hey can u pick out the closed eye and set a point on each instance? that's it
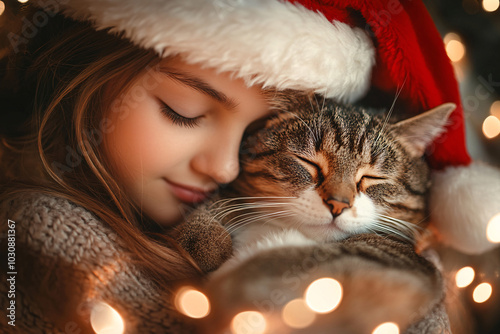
(314, 169)
(368, 180)
(177, 118)
(374, 177)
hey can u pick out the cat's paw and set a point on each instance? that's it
(206, 241)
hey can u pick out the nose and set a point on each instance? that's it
(337, 205)
(220, 160)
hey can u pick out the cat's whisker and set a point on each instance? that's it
(316, 136)
(389, 113)
(403, 223)
(245, 206)
(401, 228)
(249, 215)
(231, 228)
(389, 229)
(233, 199)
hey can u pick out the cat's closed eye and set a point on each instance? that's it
(368, 180)
(313, 168)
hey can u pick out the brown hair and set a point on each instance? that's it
(56, 85)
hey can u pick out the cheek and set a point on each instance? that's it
(142, 142)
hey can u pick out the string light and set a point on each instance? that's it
(106, 320)
(495, 109)
(297, 314)
(455, 49)
(248, 322)
(491, 5)
(2, 7)
(192, 303)
(493, 229)
(482, 292)
(323, 295)
(491, 127)
(464, 277)
(386, 328)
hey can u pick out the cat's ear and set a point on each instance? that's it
(418, 132)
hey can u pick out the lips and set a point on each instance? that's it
(188, 194)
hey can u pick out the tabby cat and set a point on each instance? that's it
(325, 178)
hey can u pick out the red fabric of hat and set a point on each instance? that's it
(409, 55)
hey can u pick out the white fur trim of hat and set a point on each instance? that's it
(269, 42)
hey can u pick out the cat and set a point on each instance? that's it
(330, 171)
(322, 176)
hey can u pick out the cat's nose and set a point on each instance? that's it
(337, 205)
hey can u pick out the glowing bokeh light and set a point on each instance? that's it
(248, 322)
(386, 328)
(495, 109)
(106, 320)
(323, 295)
(297, 314)
(493, 229)
(491, 127)
(464, 277)
(22, 1)
(491, 5)
(2, 7)
(482, 292)
(455, 50)
(192, 303)
(451, 36)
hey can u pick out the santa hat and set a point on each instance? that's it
(338, 48)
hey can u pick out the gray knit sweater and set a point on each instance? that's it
(65, 261)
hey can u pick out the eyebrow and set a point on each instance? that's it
(199, 85)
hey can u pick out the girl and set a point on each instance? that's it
(118, 116)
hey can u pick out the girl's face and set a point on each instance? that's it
(175, 135)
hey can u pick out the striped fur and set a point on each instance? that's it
(316, 155)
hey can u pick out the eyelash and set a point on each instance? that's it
(176, 118)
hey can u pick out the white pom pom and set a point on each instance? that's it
(463, 201)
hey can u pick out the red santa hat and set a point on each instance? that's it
(338, 48)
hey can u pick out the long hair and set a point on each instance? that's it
(54, 106)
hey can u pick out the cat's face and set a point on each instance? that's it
(339, 171)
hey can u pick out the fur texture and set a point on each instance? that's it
(463, 200)
(269, 42)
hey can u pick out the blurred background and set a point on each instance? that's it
(471, 35)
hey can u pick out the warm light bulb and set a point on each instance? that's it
(106, 320)
(22, 1)
(451, 36)
(248, 322)
(297, 314)
(323, 295)
(493, 229)
(491, 5)
(2, 7)
(464, 277)
(192, 303)
(455, 50)
(491, 127)
(386, 328)
(482, 292)
(495, 109)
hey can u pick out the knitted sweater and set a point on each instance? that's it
(66, 260)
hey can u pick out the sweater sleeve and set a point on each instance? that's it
(67, 261)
